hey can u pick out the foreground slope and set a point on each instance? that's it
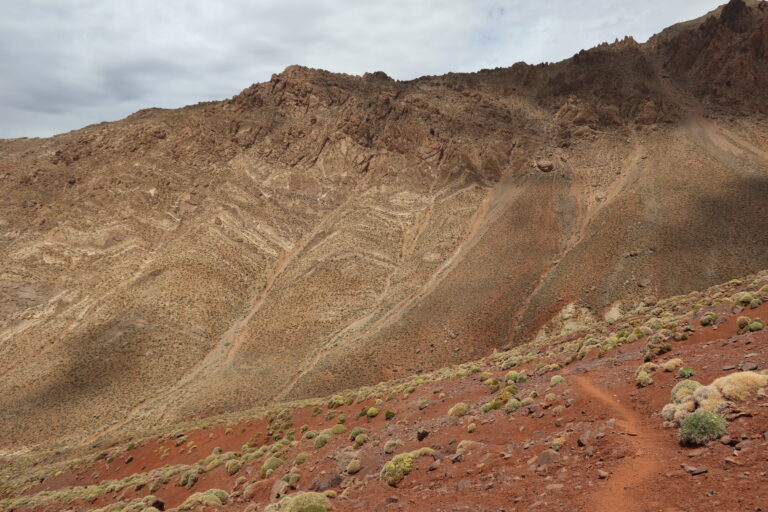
(571, 424)
(323, 231)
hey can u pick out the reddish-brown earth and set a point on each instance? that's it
(322, 232)
(616, 453)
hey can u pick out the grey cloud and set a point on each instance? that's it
(67, 63)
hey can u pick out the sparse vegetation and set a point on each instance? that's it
(739, 386)
(458, 410)
(683, 390)
(643, 379)
(401, 465)
(302, 502)
(708, 319)
(702, 426)
(270, 465)
(555, 380)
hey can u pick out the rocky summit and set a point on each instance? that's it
(525, 284)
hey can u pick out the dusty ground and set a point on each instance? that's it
(614, 451)
(320, 232)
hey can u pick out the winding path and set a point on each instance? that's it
(630, 485)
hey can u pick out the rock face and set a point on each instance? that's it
(321, 231)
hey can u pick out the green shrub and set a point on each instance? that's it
(512, 405)
(356, 432)
(686, 372)
(708, 319)
(683, 390)
(270, 465)
(643, 379)
(491, 406)
(557, 379)
(353, 467)
(392, 445)
(458, 410)
(388, 415)
(372, 412)
(702, 426)
(756, 325)
(401, 465)
(360, 440)
(233, 466)
(321, 440)
(338, 429)
(301, 502)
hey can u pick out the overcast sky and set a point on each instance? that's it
(68, 63)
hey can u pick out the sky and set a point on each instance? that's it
(65, 64)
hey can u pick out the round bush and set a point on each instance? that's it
(701, 427)
(683, 390)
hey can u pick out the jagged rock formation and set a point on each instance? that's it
(320, 231)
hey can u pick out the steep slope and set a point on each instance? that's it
(569, 424)
(323, 231)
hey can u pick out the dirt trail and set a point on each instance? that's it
(627, 488)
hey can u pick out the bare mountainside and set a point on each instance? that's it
(323, 231)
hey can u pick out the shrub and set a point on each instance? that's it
(356, 432)
(701, 427)
(301, 502)
(388, 415)
(458, 410)
(738, 386)
(372, 412)
(491, 406)
(353, 467)
(708, 319)
(338, 429)
(683, 390)
(742, 322)
(360, 440)
(707, 397)
(756, 325)
(557, 379)
(211, 497)
(336, 401)
(301, 458)
(322, 439)
(672, 364)
(233, 466)
(512, 405)
(270, 465)
(743, 298)
(686, 372)
(643, 379)
(392, 445)
(401, 465)
(292, 479)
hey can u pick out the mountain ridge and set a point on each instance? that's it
(322, 231)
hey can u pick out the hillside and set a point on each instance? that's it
(321, 232)
(590, 422)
